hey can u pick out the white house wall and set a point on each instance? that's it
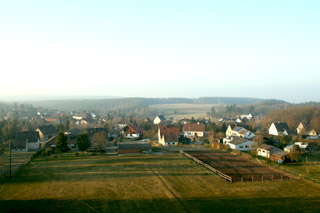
(273, 130)
(263, 153)
(192, 134)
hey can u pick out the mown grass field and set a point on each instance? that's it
(309, 167)
(17, 160)
(179, 111)
(145, 183)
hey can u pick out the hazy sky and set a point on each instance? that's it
(265, 49)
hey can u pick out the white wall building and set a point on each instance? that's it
(241, 144)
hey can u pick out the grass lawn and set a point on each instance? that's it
(145, 183)
(308, 167)
(17, 160)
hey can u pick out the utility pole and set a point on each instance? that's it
(9, 150)
(9, 158)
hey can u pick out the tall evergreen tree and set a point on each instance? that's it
(83, 142)
(62, 143)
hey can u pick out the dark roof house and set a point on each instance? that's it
(48, 130)
(25, 141)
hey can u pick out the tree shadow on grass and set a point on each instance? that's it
(210, 204)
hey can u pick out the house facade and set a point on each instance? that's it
(168, 135)
(26, 141)
(241, 144)
(305, 129)
(279, 128)
(271, 153)
(46, 132)
(239, 132)
(194, 130)
(131, 131)
(157, 120)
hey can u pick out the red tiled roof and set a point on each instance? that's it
(194, 127)
(169, 129)
(171, 137)
(134, 128)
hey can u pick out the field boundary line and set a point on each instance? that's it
(221, 174)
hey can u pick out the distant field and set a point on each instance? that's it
(179, 111)
(145, 183)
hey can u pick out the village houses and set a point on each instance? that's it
(305, 129)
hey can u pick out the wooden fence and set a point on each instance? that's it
(224, 176)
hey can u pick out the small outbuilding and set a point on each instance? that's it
(133, 147)
(272, 153)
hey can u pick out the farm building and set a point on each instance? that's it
(133, 147)
(194, 130)
(46, 132)
(271, 152)
(26, 141)
(168, 135)
(279, 128)
(241, 144)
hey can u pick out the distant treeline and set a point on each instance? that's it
(109, 104)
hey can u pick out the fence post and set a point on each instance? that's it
(241, 179)
(271, 177)
(252, 178)
(281, 177)
(262, 177)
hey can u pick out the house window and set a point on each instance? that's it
(241, 147)
(246, 146)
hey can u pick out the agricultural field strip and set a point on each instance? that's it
(221, 174)
(229, 165)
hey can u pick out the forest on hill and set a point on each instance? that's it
(294, 115)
